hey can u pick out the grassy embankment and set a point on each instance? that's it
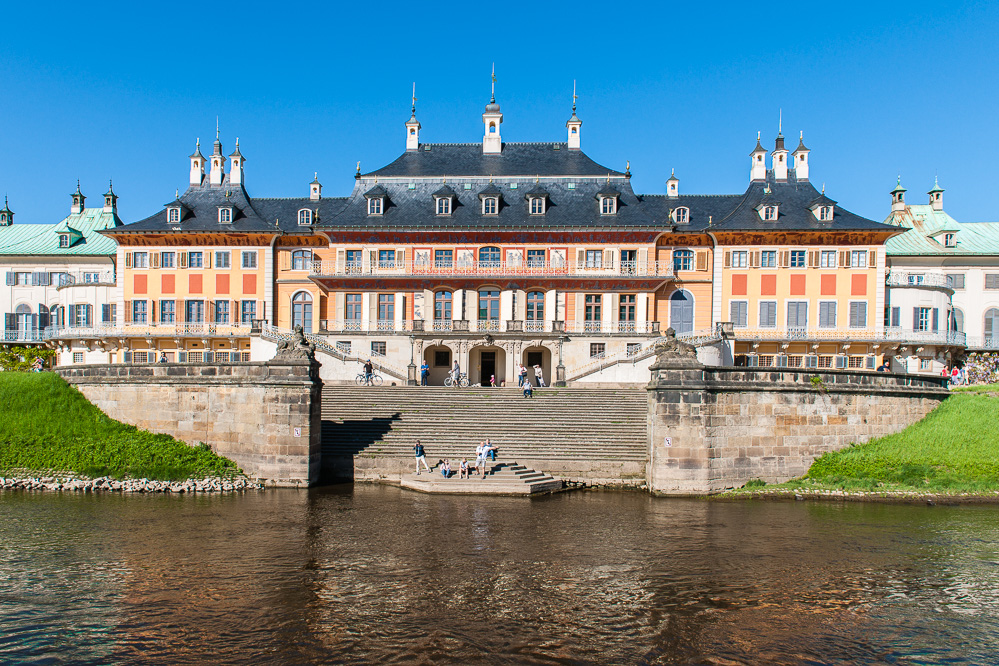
(955, 449)
(47, 425)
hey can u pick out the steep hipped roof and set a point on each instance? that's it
(43, 239)
(924, 234)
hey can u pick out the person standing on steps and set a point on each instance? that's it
(455, 374)
(522, 375)
(540, 375)
(480, 459)
(424, 374)
(369, 370)
(421, 457)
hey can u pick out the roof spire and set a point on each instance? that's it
(574, 97)
(414, 98)
(780, 122)
(493, 98)
(216, 128)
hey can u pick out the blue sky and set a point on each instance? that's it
(122, 92)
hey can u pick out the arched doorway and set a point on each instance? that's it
(486, 361)
(440, 358)
(681, 311)
(301, 311)
(23, 321)
(991, 326)
(542, 356)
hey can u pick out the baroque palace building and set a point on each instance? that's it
(498, 253)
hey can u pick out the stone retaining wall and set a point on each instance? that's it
(265, 416)
(714, 428)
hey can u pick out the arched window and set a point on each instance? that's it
(375, 206)
(681, 215)
(23, 319)
(535, 316)
(608, 205)
(683, 260)
(957, 320)
(442, 306)
(490, 205)
(681, 311)
(305, 217)
(489, 302)
(43, 317)
(537, 205)
(301, 311)
(225, 215)
(301, 260)
(489, 257)
(991, 326)
(443, 205)
(492, 128)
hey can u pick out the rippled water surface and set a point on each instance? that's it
(378, 575)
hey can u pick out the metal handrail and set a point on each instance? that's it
(917, 279)
(336, 268)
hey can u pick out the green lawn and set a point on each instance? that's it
(978, 388)
(45, 424)
(954, 449)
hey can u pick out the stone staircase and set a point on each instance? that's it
(580, 434)
(500, 479)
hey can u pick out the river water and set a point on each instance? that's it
(374, 574)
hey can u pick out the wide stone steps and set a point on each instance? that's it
(500, 479)
(582, 424)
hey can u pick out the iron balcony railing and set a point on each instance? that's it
(331, 268)
(983, 342)
(146, 331)
(32, 335)
(84, 278)
(917, 279)
(488, 326)
(888, 334)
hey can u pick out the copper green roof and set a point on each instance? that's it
(43, 239)
(926, 229)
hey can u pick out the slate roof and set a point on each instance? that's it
(516, 159)
(43, 239)
(973, 238)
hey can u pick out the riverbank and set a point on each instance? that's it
(70, 483)
(952, 455)
(49, 428)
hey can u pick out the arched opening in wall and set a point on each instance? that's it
(439, 358)
(485, 362)
(301, 311)
(24, 321)
(956, 320)
(43, 317)
(681, 311)
(991, 327)
(538, 356)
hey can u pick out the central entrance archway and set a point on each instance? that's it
(484, 362)
(541, 356)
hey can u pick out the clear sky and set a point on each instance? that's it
(122, 91)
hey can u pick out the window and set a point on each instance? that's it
(949, 240)
(769, 213)
(537, 205)
(991, 325)
(168, 312)
(301, 260)
(352, 312)
(922, 319)
(91, 278)
(301, 311)
(489, 304)
(442, 358)
(597, 349)
(827, 314)
(893, 316)
(386, 309)
(77, 357)
(768, 314)
(956, 280)
(768, 259)
(378, 348)
(797, 258)
(304, 217)
(592, 312)
(442, 305)
(490, 205)
(489, 257)
(797, 315)
(535, 310)
(222, 260)
(626, 308)
(386, 258)
(683, 260)
(443, 258)
(22, 279)
(195, 259)
(140, 260)
(221, 312)
(168, 259)
(79, 315)
(825, 213)
(681, 215)
(916, 278)
(109, 312)
(739, 313)
(827, 259)
(355, 259)
(858, 259)
(375, 206)
(957, 320)
(225, 215)
(608, 205)
(629, 261)
(991, 280)
(740, 259)
(444, 205)
(594, 258)
(138, 312)
(194, 312)
(173, 215)
(925, 364)
(858, 315)
(249, 259)
(63, 240)
(535, 258)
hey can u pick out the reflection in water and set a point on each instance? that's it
(376, 574)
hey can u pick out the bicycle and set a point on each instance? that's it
(462, 380)
(362, 379)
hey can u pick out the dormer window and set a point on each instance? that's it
(825, 213)
(225, 215)
(608, 205)
(173, 215)
(769, 213)
(681, 215)
(490, 205)
(443, 205)
(63, 240)
(304, 217)
(949, 240)
(537, 205)
(375, 206)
